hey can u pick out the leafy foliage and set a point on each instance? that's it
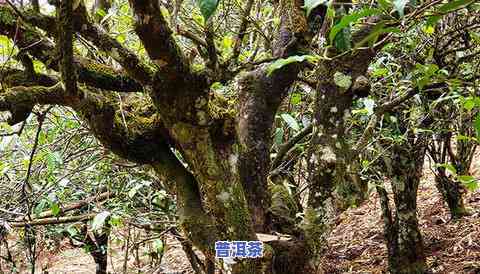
(207, 7)
(282, 62)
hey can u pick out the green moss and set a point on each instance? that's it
(238, 215)
(315, 228)
(106, 77)
(180, 132)
(6, 15)
(220, 107)
(199, 231)
(99, 68)
(283, 204)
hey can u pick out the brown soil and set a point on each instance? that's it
(355, 246)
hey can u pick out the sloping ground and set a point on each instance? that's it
(76, 261)
(357, 246)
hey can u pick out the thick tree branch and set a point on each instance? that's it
(65, 45)
(260, 96)
(29, 96)
(43, 49)
(140, 137)
(133, 138)
(194, 221)
(212, 62)
(83, 24)
(153, 30)
(125, 57)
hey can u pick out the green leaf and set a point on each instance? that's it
(53, 160)
(469, 103)
(41, 206)
(349, 19)
(291, 122)
(3, 169)
(448, 167)
(158, 246)
(55, 208)
(384, 4)
(216, 86)
(469, 181)
(312, 4)
(424, 74)
(207, 7)
(115, 220)
(72, 230)
(476, 125)
(279, 136)
(465, 138)
(378, 30)
(433, 20)
(343, 40)
(99, 220)
(454, 5)
(296, 99)
(400, 6)
(342, 80)
(380, 72)
(365, 164)
(227, 42)
(280, 63)
(475, 37)
(101, 12)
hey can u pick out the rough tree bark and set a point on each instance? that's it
(452, 192)
(442, 153)
(223, 194)
(404, 240)
(333, 162)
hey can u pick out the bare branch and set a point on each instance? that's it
(284, 148)
(242, 29)
(73, 206)
(54, 220)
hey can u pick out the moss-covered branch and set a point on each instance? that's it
(125, 57)
(65, 45)
(194, 221)
(43, 49)
(34, 95)
(54, 220)
(134, 131)
(157, 38)
(85, 26)
(131, 128)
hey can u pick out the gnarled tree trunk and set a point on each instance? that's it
(402, 234)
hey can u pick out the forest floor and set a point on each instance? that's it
(452, 247)
(355, 246)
